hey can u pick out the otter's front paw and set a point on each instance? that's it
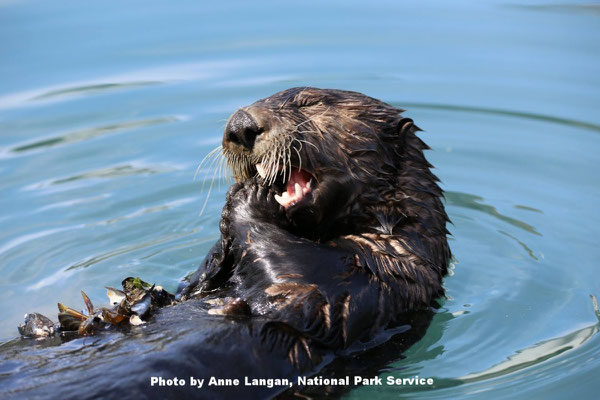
(256, 203)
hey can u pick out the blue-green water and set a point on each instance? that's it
(107, 108)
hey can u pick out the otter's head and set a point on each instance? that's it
(333, 157)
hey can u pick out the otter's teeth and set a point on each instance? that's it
(298, 190)
(261, 170)
(281, 200)
(306, 189)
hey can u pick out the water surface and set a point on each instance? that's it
(106, 110)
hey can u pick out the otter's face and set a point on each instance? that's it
(313, 147)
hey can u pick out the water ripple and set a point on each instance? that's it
(83, 135)
(523, 245)
(494, 111)
(476, 203)
(88, 262)
(133, 79)
(539, 352)
(125, 249)
(116, 171)
(33, 236)
(90, 89)
(147, 210)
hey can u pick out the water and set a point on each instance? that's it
(106, 110)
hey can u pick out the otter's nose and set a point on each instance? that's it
(242, 129)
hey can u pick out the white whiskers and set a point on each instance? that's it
(213, 162)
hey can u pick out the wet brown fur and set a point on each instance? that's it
(377, 208)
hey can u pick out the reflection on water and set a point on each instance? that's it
(134, 168)
(522, 207)
(592, 8)
(476, 203)
(122, 250)
(93, 89)
(136, 79)
(536, 354)
(527, 249)
(539, 352)
(86, 134)
(510, 113)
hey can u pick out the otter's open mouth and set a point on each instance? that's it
(295, 186)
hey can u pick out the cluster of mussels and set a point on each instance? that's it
(128, 307)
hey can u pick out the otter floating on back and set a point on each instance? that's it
(333, 234)
(334, 227)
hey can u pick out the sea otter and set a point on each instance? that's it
(335, 226)
(333, 239)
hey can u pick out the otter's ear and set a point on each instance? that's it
(406, 125)
(407, 130)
